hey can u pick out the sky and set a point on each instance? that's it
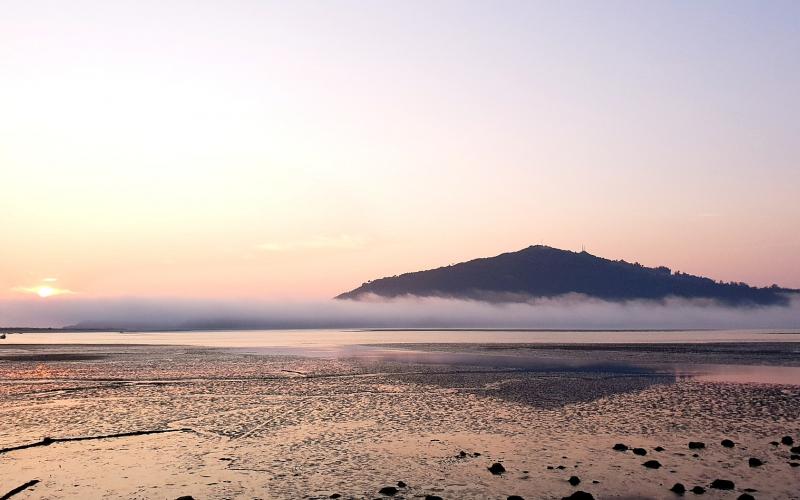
(293, 150)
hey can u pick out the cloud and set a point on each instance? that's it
(564, 313)
(341, 241)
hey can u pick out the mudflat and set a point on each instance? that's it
(401, 421)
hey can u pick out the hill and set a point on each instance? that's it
(542, 271)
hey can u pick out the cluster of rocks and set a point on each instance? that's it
(719, 484)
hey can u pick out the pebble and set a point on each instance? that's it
(722, 484)
(579, 495)
(388, 491)
(698, 490)
(620, 447)
(745, 496)
(696, 445)
(652, 464)
(787, 440)
(755, 462)
(574, 480)
(678, 488)
(727, 443)
(640, 451)
(497, 469)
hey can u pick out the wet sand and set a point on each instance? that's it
(251, 423)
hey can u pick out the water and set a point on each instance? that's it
(332, 338)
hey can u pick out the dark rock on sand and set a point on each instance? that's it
(433, 497)
(652, 464)
(515, 497)
(659, 448)
(722, 484)
(698, 490)
(696, 445)
(401, 484)
(640, 451)
(794, 464)
(560, 467)
(755, 462)
(476, 454)
(794, 457)
(550, 467)
(727, 443)
(678, 489)
(695, 455)
(579, 495)
(462, 453)
(185, 497)
(774, 443)
(795, 449)
(335, 495)
(497, 469)
(745, 496)
(574, 480)
(787, 440)
(620, 447)
(388, 491)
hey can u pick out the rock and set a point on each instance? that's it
(787, 440)
(335, 495)
(388, 491)
(579, 495)
(433, 497)
(401, 484)
(696, 445)
(754, 462)
(497, 469)
(514, 497)
(774, 443)
(560, 467)
(185, 497)
(727, 443)
(462, 453)
(794, 464)
(698, 490)
(549, 467)
(640, 451)
(652, 464)
(659, 448)
(794, 457)
(476, 454)
(574, 480)
(794, 449)
(695, 455)
(678, 489)
(745, 496)
(722, 484)
(620, 447)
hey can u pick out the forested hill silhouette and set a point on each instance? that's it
(542, 271)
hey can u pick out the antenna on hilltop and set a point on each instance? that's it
(583, 248)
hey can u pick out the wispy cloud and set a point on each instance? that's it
(341, 241)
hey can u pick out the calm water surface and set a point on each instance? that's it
(333, 338)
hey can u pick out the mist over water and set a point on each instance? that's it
(569, 312)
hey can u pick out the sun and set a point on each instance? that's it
(45, 291)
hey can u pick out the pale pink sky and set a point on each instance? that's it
(274, 150)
